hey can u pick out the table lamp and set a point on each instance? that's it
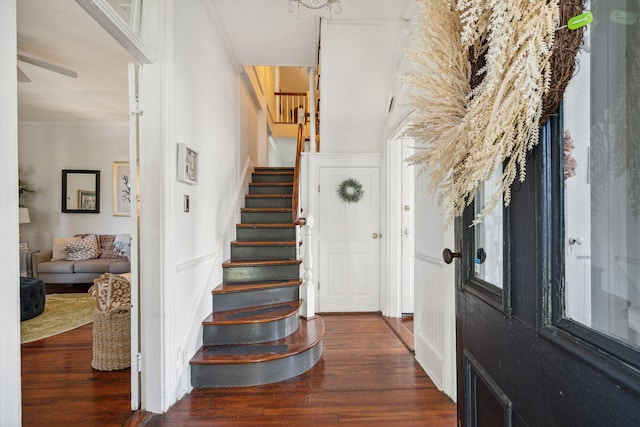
(23, 218)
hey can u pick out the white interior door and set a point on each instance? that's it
(407, 227)
(434, 311)
(349, 243)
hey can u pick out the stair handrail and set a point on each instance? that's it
(295, 202)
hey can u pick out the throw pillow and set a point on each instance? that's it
(85, 248)
(122, 244)
(111, 292)
(59, 244)
(107, 247)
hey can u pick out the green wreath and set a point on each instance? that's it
(350, 191)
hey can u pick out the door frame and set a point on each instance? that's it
(107, 18)
(135, 99)
(11, 402)
(312, 162)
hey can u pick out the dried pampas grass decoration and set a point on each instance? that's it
(441, 80)
(469, 131)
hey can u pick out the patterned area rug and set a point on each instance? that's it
(62, 313)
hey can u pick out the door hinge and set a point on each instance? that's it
(318, 188)
(139, 362)
(135, 106)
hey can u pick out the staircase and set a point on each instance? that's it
(254, 334)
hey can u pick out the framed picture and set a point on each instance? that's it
(86, 200)
(121, 189)
(187, 164)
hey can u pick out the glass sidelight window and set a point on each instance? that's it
(602, 176)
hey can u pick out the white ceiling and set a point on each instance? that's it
(263, 32)
(259, 32)
(60, 32)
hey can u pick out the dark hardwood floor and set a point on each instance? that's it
(366, 377)
(403, 328)
(60, 388)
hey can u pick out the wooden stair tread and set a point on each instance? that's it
(257, 314)
(270, 184)
(264, 243)
(266, 210)
(273, 168)
(307, 336)
(260, 262)
(265, 225)
(268, 196)
(273, 172)
(226, 288)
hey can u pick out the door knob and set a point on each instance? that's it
(481, 255)
(375, 235)
(575, 241)
(448, 256)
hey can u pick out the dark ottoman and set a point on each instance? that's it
(33, 293)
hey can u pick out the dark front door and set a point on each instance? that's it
(548, 289)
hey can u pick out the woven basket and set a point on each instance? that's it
(111, 340)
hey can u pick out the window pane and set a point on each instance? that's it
(602, 170)
(489, 234)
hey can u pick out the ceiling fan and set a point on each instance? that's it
(22, 76)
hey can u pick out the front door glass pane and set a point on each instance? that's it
(489, 235)
(602, 176)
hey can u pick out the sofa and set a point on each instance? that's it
(81, 259)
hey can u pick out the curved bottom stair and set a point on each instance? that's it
(255, 334)
(260, 363)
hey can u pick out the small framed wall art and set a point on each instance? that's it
(187, 164)
(121, 189)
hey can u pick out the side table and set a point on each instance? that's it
(26, 268)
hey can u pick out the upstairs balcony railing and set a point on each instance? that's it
(289, 105)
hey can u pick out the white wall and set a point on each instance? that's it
(284, 153)
(193, 94)
(294, 79)
(252, 128)
(355, 85)
(10, 402)
(45, 149)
